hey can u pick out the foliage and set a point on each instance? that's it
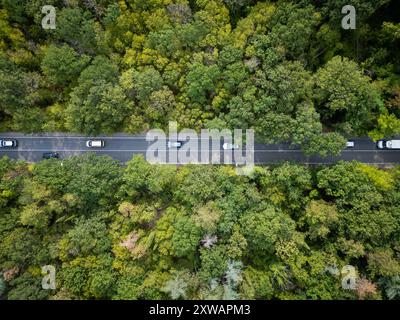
(392, 287)
(388, 127)
(156, 232)
(128, 67)
(62, 64)
(330, 144)
(283, 68)
(2, 286)
(345, 94)
(100, 110)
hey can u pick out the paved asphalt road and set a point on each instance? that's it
(122, 147)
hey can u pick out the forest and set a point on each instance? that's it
(286, 69)
(198, 232)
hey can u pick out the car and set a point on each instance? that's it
(350, 144)
(51, 155)
(230, 146)
(95, 143)
(175, 144)
(388, 144)
(8, 143)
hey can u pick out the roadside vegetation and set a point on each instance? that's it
(285, 68)
(198, 232)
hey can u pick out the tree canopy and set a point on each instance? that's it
(284, 68)
(160, 232)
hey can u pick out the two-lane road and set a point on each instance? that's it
(123, 147)
(31, 147)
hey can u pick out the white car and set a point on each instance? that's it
(8, 143)
(230, 146)
(388, 144)
(350, 144)
(95, 143)
(175, 144)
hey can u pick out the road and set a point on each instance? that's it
(122, 147)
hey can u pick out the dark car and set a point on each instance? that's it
(51, 155)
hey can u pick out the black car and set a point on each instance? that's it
(51, 155)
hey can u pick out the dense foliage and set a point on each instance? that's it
(285, 68)
(197, 232)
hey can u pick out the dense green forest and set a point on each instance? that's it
(285, 68)
(197, 232)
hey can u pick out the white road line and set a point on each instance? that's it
(92, 138)
(76, 137)
(134, 150)
(64, 150)
(166, 150)
(326, 163)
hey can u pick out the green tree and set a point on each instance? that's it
(62, 65)
(18, 248)
(320, 218)
(264, 228)
(2, 286)
(392, 287)
(101, 110)
(186, 237)
(213, 263)
(200, 82)
(101, 68)
(12, 87)
(288, 186)
(142, 178)
(381, 262)
(161, 104)
(388, 127)
(256, 285)
(345, 96)
(87, 237)
(76, 27)
(287, 23)
(27, 287)
(330, 144)
(141, 84)
(94, 180)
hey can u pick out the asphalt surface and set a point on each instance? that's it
(123, 147)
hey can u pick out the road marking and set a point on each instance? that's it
(166, 150)
(95, 138)
(76, 137)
